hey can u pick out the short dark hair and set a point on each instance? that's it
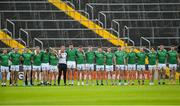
(70, 43)
(47, 49)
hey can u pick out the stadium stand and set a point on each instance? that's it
(155, 20)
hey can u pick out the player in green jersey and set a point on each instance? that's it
(81, 66)
(53, 62)
(36, 58)
(173, 61)
(109, 60)
(90, 56)
(26, 58)
(131, 58)
(4, 60)
(71, 63)
(121, 67)
(152, 56)
(100, 59)
(162, 58)
(15, 59)
(45, 67)
(141, 58)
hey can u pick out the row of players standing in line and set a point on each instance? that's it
(125, 63)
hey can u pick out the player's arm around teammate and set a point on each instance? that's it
(71, 63)
(36, 60)
(90, 56)
(80, 60)
(109, 60)
(141, 58)
(26, 58)
(131, 66)
(53, 62)
(45, 66)
(152, 64)
(100, 59)
(4, 60)
(15, 59)
(173, 61)
(162, 58)
(120, 67)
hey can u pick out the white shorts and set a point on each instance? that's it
(53, 68)
(81, 67)
(4, 69)
(99, 67)
(26, 67)
(90, 67)
(71, 64)
(160, 66)
(173, 66)
(140, 67)
(14, 68)
(109, 68)
(45, 66)
(131, 66)
(36, 68)
(152, 67)
(121, 67)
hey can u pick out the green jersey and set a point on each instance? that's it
(120, 57)
(99, 58)
(4, 58)
(80, 57)
(90, 56)
(45, 57)
(15, 58)
(141, 57)
(53, 59)
(109, 58)
(26, 58)
(71, 54)
(131, 58)
(172, 57)
(37, 59)
(152, 58)
(162, 54)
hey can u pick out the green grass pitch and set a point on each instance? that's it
(91, 95)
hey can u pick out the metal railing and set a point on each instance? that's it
(145, 39)
(92, 10)
(105, 19)
(153, 30)
(70, 4)
(109, 4)
(27, 35)
(90, 5)
(162, 38)
(13, 25)
(8, 32)
(39, 41)
(147, 19)
(103, 13)
(116, 12)
(112, 25)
